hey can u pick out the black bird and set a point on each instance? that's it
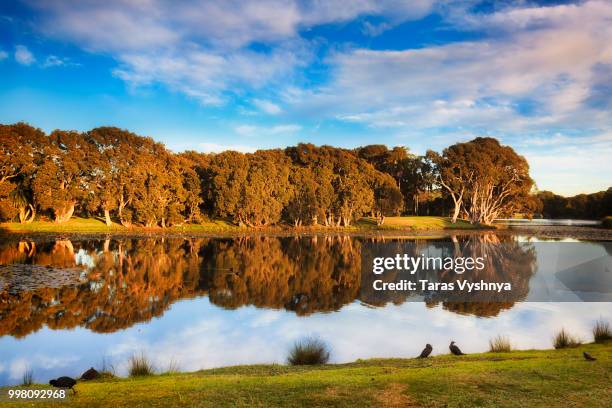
(426, 351)
(588, 357)
(455, 350)
(64, 382)
(90, 374)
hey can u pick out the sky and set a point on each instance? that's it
(227, 74)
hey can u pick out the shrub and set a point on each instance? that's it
(500, 344)
(27, 378)
(309, 351)
(140, 366)
(602, 331)
(564, 340)
(607, 222)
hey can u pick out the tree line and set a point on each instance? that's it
(117, 175)
(593, 206)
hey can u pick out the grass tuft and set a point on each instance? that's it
(564, 340)
(602, 331)
(107, 369)
(27, 378)
(139, 365)
(173, 367)
(500, 344)
(309, 351)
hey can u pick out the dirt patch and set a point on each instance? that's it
(393, 396)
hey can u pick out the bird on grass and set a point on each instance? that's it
(455, 350)
(588, 357)
(64, 382)
(90, 374)
(426, 351)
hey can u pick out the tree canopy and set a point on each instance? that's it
(117, 175)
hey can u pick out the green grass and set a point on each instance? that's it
(419, 223)
(96, 225)
(541, 378)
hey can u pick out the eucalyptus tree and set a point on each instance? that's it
(484, 178)
(61, 181)
(21, 152)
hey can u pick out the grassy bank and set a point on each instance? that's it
(547, 378)
(94, 225)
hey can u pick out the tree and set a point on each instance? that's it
(485, 178)
(60, 182)
(21, 151)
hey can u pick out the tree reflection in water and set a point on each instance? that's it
(126, 281)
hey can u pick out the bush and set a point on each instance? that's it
(564, 340)
(27, 378)
(140, 366)
(500, 344)
(602, 331)
(607, 222)
(309, 351)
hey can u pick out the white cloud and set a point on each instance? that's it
(55, 61)
(3, 55)
(251, 130)
(267, 106)
(480, 83)
(218, 148)
(23, 56)
(199, 47)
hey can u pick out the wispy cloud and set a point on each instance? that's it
(3, 55)
(55, 61)
(217, 148)
(23, 55)
(252, 130)
(267, 106)
(201, 47)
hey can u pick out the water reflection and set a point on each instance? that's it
(110, 286)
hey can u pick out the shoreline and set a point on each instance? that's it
(423, 227)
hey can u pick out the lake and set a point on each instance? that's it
(69, 304)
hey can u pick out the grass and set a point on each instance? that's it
(96, 225)
(500, 344)
(418, 223)
(565, 340)
(541, 378)
(27, 379)
(309, 351)
(602, 331)
(140, 365)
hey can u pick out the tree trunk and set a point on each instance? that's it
(64, 214)
(107, 217)
(456, 211)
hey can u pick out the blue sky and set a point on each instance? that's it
(215, 75)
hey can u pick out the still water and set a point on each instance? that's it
(67, 305)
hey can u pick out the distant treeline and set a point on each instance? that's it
(115, 174)
(582, 206)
